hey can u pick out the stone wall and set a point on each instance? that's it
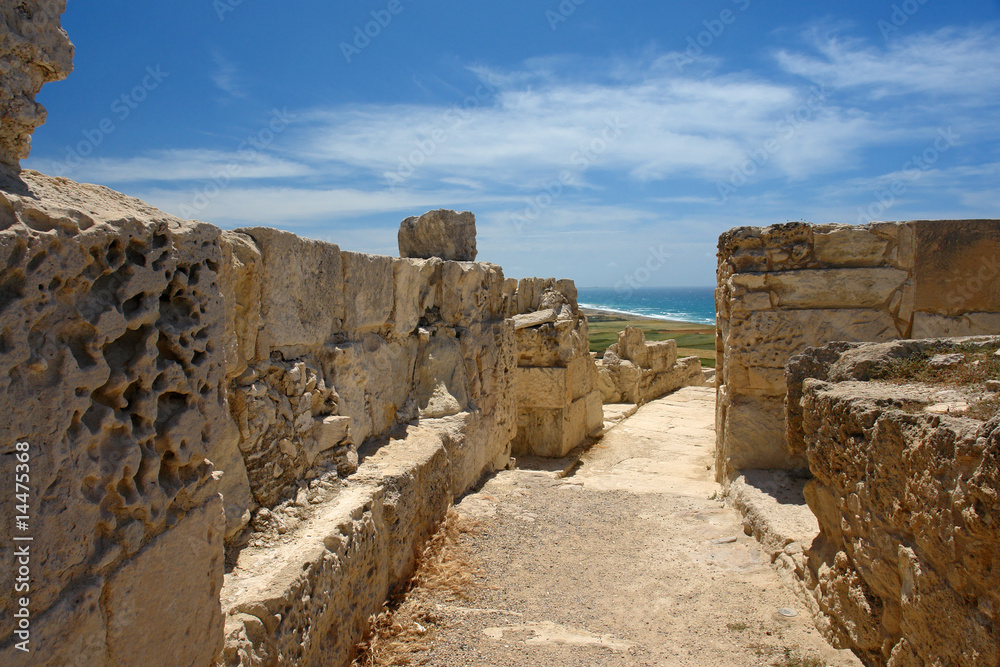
(906, 568)
(787, 287)
(636, 371)
(559, 405)
(183, 390)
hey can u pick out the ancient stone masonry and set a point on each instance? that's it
(906, 568)
(112, 369)
(635, 371)
(559, 404)
(787, 287)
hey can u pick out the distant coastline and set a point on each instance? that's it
(625, 315)
(688, 305)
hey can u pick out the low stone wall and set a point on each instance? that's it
(906, 489)
(559, 405)
(636, 371)
(787, 287)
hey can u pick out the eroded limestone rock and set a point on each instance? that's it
(34, 50)
(445, 234)
(905, 566)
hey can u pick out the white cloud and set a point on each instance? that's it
(165, 166)
(949, 62)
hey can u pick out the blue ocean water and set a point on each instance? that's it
(684, 304)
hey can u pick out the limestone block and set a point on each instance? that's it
(850, 246)
(302, 291)
(755, 435)
(607, 383)
(579, 376)
(768, 339)
(932, 325)
(442, 233)
(111, 367)
(551, 433)
(632, 346)
(957, 266)
(535, 319)
(328, 432)
(744, 303)
(471, 293)
(543, 388)
(417, 290)
(554, 344)
(661, 355)
(368, 291)
(903, 499)
(835, 288)
(541, 293)
(34, 51)
(241, 284)
(165, 601)
(441, 383)
(595, 413)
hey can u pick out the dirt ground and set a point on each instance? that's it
(628, 560)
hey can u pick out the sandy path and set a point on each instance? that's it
(627, 562)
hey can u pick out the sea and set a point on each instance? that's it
(682, 304)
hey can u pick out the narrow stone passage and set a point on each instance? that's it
(630, 561)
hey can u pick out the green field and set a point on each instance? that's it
(692, 339)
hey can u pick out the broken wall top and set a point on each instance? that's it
(34, 50)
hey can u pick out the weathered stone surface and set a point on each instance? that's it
(440, 376)
(302, 291)
(905, 563)
(835, 288)
(112, 368)
(34, 50)
(417, 285)
(846, 246)
(442, 233)
(368, 291)
(534, 319)
(72, 632)
(928, 325)
(958, 266)
(162, 583)
(543, 388)
(787, 287)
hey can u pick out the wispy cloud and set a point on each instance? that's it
(226, 77)
(951, 61)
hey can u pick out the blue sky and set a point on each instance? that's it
(592, 139)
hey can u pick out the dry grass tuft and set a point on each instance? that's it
(444, 571)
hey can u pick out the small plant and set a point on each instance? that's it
(737, 627)
(791, 658)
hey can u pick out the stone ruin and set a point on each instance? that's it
(902, 479)
(906, 486)
(784, 288)
(636, 371)
(239, 439)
